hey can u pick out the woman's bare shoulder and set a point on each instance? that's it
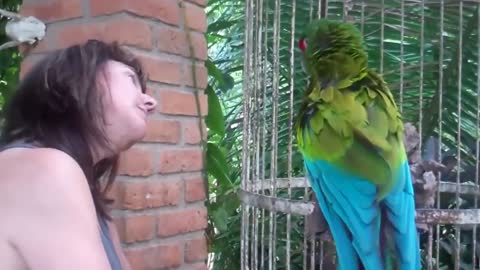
(47, 187)
(41, 170)
(41, 173)
(50, 162)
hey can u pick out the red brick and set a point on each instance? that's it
(164, 10)
(132, 195)
(124, 29)
(136, 228)
(172, 41)
(200, 46)
(135, 162)
(194, 189)
(201, 75)
(162, 70)
(162, 193)
(181, 221)
(52, 10)
(175, 41)
(180, 103)
(180, 160)
(149, 194)
(196, 250)
(196, 17)
(191, 132)
(164, 131)
(156, 257)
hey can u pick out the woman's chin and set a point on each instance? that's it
(135, 136)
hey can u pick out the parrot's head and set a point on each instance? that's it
(328, 46)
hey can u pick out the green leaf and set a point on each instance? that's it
(213, 71)
(215, 119)
(221, 25)
(228, 82)
(217, 164)
(220, 218)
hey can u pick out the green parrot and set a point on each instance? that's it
(350, 134)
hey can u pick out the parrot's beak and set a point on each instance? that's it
(302, 44)
(303, 63)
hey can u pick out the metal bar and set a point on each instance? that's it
(459, 131)
(429, 251)
(248, 129)
(382, 34)
(322, 244)
(256, 142)
(311, 10)
(440, 120)
(422, 48)
(448, 216)
(424, 216)
(464, 188)
(477, 146)
(443, 187)
(275, 204)
(274, 137)
(362, 17)
(264, 135)
(326, 9)
(347, 6)
(313, 247)
(245, 152)
(305, 237)
(319, 13)
(402, 41)
(290, 127)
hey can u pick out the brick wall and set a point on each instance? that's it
(160, 210)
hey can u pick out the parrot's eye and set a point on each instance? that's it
(302, 44)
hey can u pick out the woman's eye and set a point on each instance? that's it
(133, 78)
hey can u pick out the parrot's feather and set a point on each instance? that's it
(355, 138)
(350, 134)
(353, 213)
(364, 162)
(400, 209)
(350, 208)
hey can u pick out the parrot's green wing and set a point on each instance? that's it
(357, 130)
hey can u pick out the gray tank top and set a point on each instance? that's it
(104, 230)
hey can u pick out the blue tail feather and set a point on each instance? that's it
(400, 206)
(354, 225)
(346, 252)
(350, 206)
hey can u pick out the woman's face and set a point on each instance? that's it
(126, 107)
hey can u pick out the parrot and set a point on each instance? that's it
(349, 132)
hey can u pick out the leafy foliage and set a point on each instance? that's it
(224, 141)
(9, 58)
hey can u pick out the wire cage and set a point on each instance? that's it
(428, 51)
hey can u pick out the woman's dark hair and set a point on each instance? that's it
(58, 105)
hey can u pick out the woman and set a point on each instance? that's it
(64, 127)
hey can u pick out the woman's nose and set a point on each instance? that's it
(150, 103)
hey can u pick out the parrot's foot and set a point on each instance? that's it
(315, 223)
(325, 236)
